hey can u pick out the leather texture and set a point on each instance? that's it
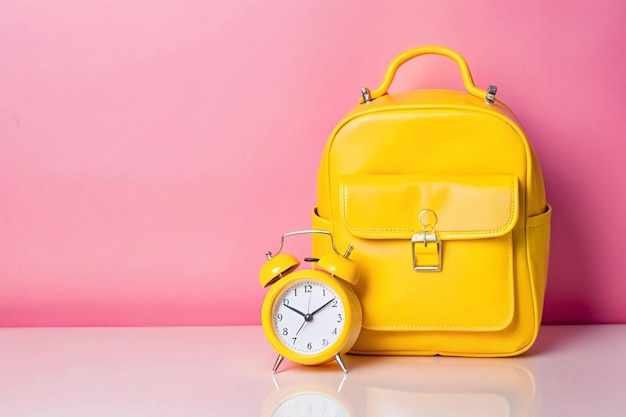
(470, 164)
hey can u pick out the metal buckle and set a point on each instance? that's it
(420, 243)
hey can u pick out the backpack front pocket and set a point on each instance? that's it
(467, 230)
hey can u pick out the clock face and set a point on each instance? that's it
(308, 316)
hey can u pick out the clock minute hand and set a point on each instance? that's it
(330, 301)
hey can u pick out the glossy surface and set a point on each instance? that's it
(226, 371)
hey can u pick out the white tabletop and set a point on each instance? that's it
(226, 371)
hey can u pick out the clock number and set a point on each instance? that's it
(285, 331)
(307, 289)
(335, 331)
(309, 346)
(339, 318)
(285, 302)
(279, 317)
(294, 340)
(335, 303)
(325, 342)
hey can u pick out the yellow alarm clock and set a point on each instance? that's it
(310, 316)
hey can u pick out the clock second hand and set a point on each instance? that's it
(307, 316)
(302, 326)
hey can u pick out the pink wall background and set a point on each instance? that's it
(152, 151)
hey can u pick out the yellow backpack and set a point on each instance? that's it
(442, 197)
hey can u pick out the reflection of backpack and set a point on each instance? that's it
(443, 200)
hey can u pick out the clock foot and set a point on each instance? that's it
(279, 359)
(341, 364)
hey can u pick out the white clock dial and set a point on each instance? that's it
(308, 317)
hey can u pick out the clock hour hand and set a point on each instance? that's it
(295, 310)
(330, 301)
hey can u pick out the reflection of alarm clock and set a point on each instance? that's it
(310, 316)
(307, 399)
(310, 404)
